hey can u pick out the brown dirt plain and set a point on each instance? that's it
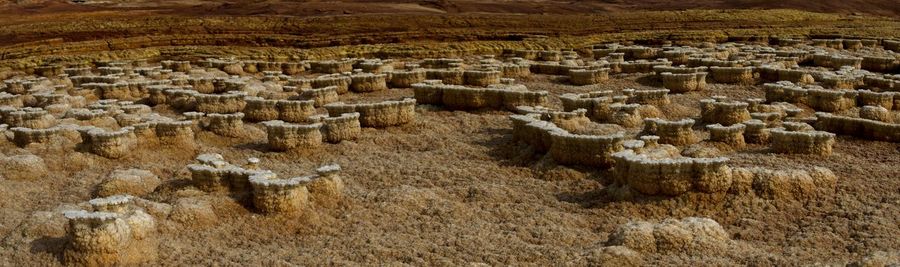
(452, 188)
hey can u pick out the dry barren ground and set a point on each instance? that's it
(452, 188)
(294, 8)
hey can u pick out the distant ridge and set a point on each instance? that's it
(888, 8)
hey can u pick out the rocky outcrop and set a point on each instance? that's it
(587, 150)
(118, 90)
(638, 52)
(555, 68)
(654, 97)
(783, 185)
(836, 61)
(549, 55)
(563, 146)
(755, 132)
(342, 82)
(214, 174)
(858, 127)
(288, 68)
(829, 80)
(378, 115)
(272, 195)
(642, 66)
(732, 135)
(135, 182)
(596, 103)
(774, 74)
(876, 113)
(883, 64)
(723, 112)
(530, 129)
(264, 190)
(785, 92)
(440, 63)
(230, 125)
(690, 236)
(284, 136)
(406, 78)
(368, 82)
(178, 134)
(11, 100)
(678, 69)
(278, 196)
(203, 85)
(482, 78)
(179, 99)
(650, 169)
(881, 99)
(89, 115)
(626, 115)
(602, 106)
(340, 128)
(332, 66)
(294, 111)
(650, 174)
(588, 76)
(678, 133)
(683, 83)
(225, 103)
(375, 65)
(179, 66)
(831, 100)
(231, 67)
(801, 142)
(320, 96)
(516, 70)
(25, 136)
(327, 186)
(34, 118)
(735, 75)
(260, 109)
(446, 76)
(111, 144)
(23, 168)
(882, 83)
(116, 233)
(17, 87)
(466, 98)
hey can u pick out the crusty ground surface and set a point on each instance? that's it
(454, 188)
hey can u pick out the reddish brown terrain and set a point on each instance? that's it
(319, 8)
(450, 132)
